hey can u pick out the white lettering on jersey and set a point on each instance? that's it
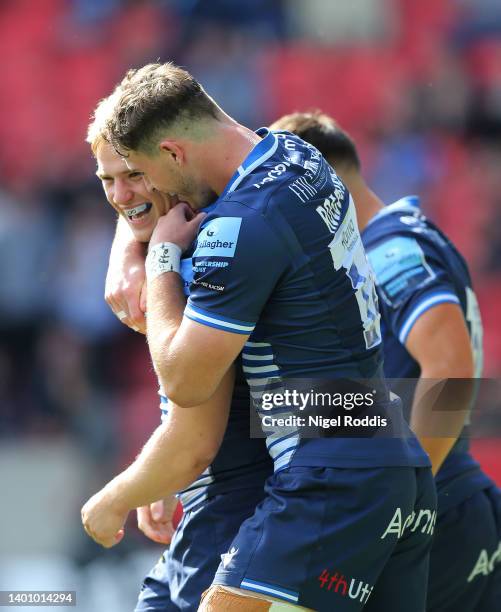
(274, 173)
(397, 525)
(347, 252)
(485, 565)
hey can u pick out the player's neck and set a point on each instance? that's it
(226, 151)
(366, 201)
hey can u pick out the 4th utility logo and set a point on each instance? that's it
(345, 586)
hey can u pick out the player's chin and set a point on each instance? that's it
(142, 234)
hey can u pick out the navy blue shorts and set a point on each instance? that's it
(338, 539)
(188, 566)
(465, 561)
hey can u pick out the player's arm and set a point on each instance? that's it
(193, 345)
(126, 276)
(439, 341)
(190, 358)
(421, 308)
(175, 455)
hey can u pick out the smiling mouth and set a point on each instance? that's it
(133, 214)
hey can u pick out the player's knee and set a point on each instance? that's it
(228, 599)
(221, 599)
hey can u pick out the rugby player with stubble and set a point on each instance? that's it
(274, 281)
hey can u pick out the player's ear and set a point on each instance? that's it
(172, 148)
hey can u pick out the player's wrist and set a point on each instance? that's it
(163, 257)
(116, 495)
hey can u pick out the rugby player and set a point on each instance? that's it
(223, 493)
(281, 274)
(431, 330)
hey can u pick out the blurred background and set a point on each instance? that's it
(417, 84)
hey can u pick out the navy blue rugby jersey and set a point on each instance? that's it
(242, 462)
(416, 268)
(280, 258)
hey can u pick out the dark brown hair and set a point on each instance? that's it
(324, 133)
(152, 99)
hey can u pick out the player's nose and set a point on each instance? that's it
(122, 194)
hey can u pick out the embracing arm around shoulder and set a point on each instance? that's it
(178, 451)
(439, 341)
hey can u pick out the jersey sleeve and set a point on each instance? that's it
(237, 263)
(411, 278)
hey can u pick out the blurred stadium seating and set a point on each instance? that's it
(418, 84)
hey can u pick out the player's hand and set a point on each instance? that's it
(125, 289)
(179, 226)
(155, 520)
(102, 521)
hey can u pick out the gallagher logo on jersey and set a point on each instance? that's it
(219, 238)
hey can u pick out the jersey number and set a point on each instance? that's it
(347, 252)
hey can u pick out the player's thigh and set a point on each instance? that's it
(207, 534)
(188, 567)
(318, 539)
(154, 595)
(490, 600)
(466, 540)
(402, 584)
(491, 594)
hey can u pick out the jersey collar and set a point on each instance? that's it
(410, 204)
(259, 154)
(210, 208)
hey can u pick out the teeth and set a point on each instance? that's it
(136, 211)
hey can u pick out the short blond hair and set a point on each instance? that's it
(97, 132)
